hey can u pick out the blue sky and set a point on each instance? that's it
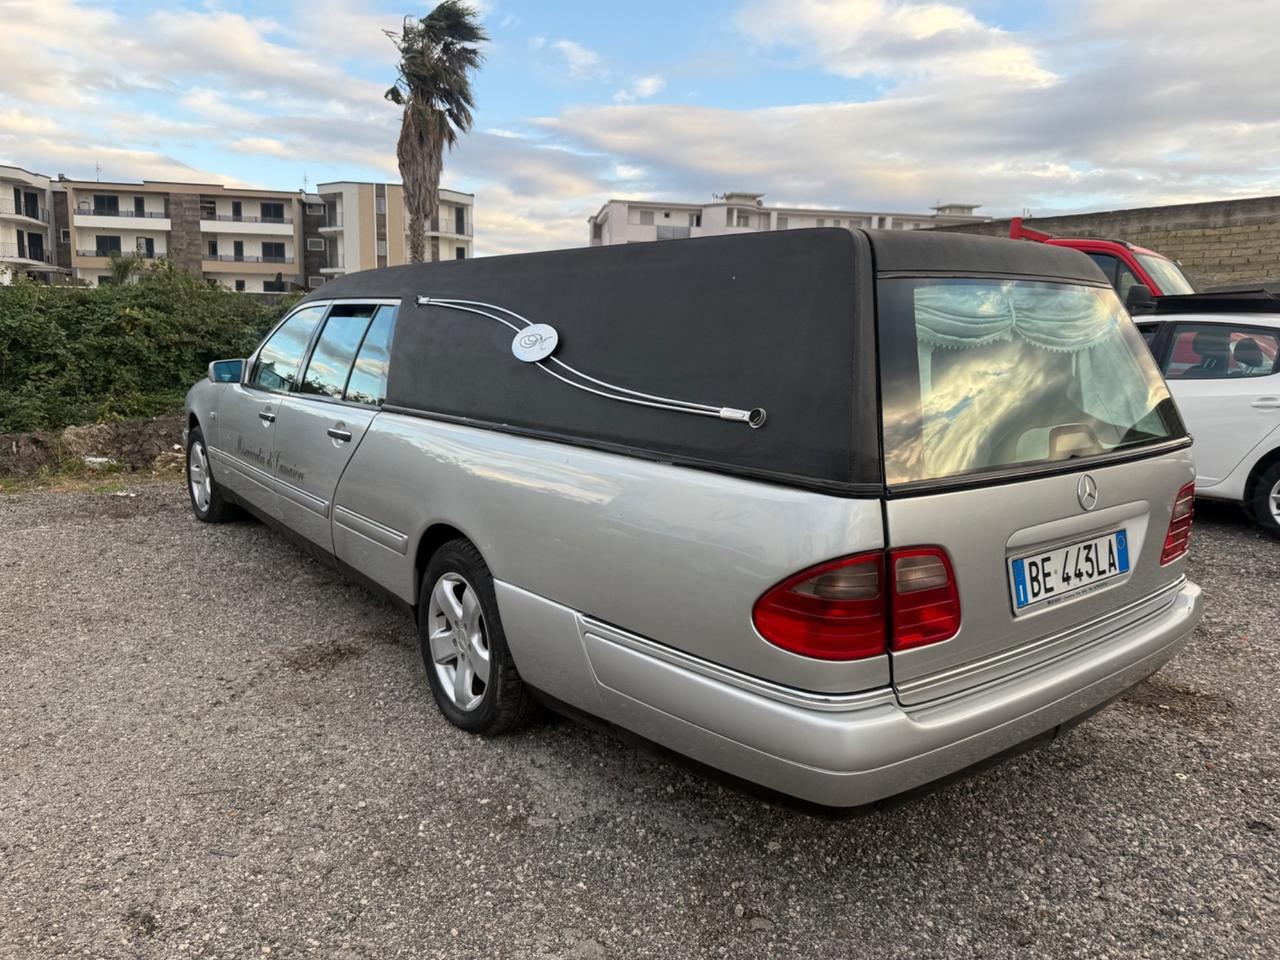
(872, 104)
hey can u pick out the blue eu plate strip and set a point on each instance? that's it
(1122, 551)
(1019, 584)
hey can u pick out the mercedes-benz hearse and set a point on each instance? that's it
(840, 513)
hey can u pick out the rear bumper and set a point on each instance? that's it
(854, 750)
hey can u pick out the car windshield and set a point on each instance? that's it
(1168, 277)
(983, 375)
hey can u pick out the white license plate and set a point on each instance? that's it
(1051, 574)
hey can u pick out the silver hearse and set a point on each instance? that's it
(840, 513)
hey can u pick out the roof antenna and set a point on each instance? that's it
(97, 171)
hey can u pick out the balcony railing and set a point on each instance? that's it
(10, 251)
(124, 253)
(246, 258)
(95, 212)
(35, 213)
(232, 218)
(332, 220)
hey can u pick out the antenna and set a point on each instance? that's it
(97, 171)
(304, 181)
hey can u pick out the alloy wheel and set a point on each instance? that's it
(198, 474)
(458, 641)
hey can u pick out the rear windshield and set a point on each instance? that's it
(984, 375)
(1170, 280)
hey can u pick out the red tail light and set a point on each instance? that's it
(1178, 538)
(837, 610)
(926, 603)
(834, 611)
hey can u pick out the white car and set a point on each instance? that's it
(1222, 370)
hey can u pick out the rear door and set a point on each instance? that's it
(244, 458)
(1223, 376)
(1029, 435)
(323, 421)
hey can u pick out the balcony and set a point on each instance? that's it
(11, 252)
(332, 221)
(244, 264)
(224, 223)
(32, 212)
(246, 258)
(110, 219)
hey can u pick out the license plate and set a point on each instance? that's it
(1060, 571)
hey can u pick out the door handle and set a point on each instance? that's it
(343, 435)
(1266, 403)
(266, 416)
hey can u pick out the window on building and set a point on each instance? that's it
(315, 209)
(104, 246)
(208, 209)
(460, 221)
(460, 253)
(212, 246)
(273, 212)
(139, 207)
(315, 243)
(65, 236)
(380, 204)
(106, 205)
(382, 248)
(274, 286)
(744, 219)
(22, 245)
(314, 282)
(695, 219)
(147, 247)
(35, 246)
(666, 214)
(782, 223)
(240, 285)
(822, 221)
(237, 210)
(237, 249)
(646, 218)
(836, 222)
(272, 252)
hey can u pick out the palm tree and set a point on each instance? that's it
(124, 266)
(437, 57)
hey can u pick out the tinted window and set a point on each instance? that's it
(982, 375)
(281, 356)
(1106, 263)
(1166, 274)
(1216, 351)
(331, 359)
(369, 376)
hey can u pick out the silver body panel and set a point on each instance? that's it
(626, 586)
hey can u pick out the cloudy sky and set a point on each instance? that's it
(863, 104)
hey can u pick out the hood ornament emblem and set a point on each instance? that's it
(1087, 492)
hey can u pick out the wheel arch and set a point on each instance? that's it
(433, 538)
(1260, 467)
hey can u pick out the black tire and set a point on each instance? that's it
(1260, 505)
(502, 702)
(216, 510)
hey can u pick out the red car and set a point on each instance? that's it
(1125, 264)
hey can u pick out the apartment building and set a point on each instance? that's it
(26, 246)
(242, 238)
(637, 221)
(354, 226)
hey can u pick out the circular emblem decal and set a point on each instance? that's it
(1087, 492)
(535, 342)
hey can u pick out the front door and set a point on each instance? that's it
(1223, 377)
(324, 419)
(243, 443)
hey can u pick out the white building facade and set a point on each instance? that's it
(639, 221)
(26, 218)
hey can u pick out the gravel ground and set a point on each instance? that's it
(211, 746)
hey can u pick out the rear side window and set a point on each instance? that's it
(987, 375)
(1217, 351)
(281, 355)
(331, 359)
(368, 383)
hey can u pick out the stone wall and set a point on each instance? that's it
(186, 246)
(1224, 242)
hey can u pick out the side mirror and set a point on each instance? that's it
(1139, 299)
(226, 371)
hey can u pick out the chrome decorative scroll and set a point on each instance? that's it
(536, 342)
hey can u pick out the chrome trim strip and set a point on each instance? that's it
(371, 529)
(826, 702)
(912, 690)
(247, 470)
(301, 498)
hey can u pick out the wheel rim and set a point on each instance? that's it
(198, 474)
(458, 641)
(1273, 502)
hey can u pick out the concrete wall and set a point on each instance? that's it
(1225, 242)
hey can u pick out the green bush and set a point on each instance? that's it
(72, 355)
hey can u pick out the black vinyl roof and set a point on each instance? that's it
(782, 321)
(912, 251)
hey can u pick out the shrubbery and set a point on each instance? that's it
(72, 355)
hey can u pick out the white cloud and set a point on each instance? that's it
(581, 61)
(640, 88)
